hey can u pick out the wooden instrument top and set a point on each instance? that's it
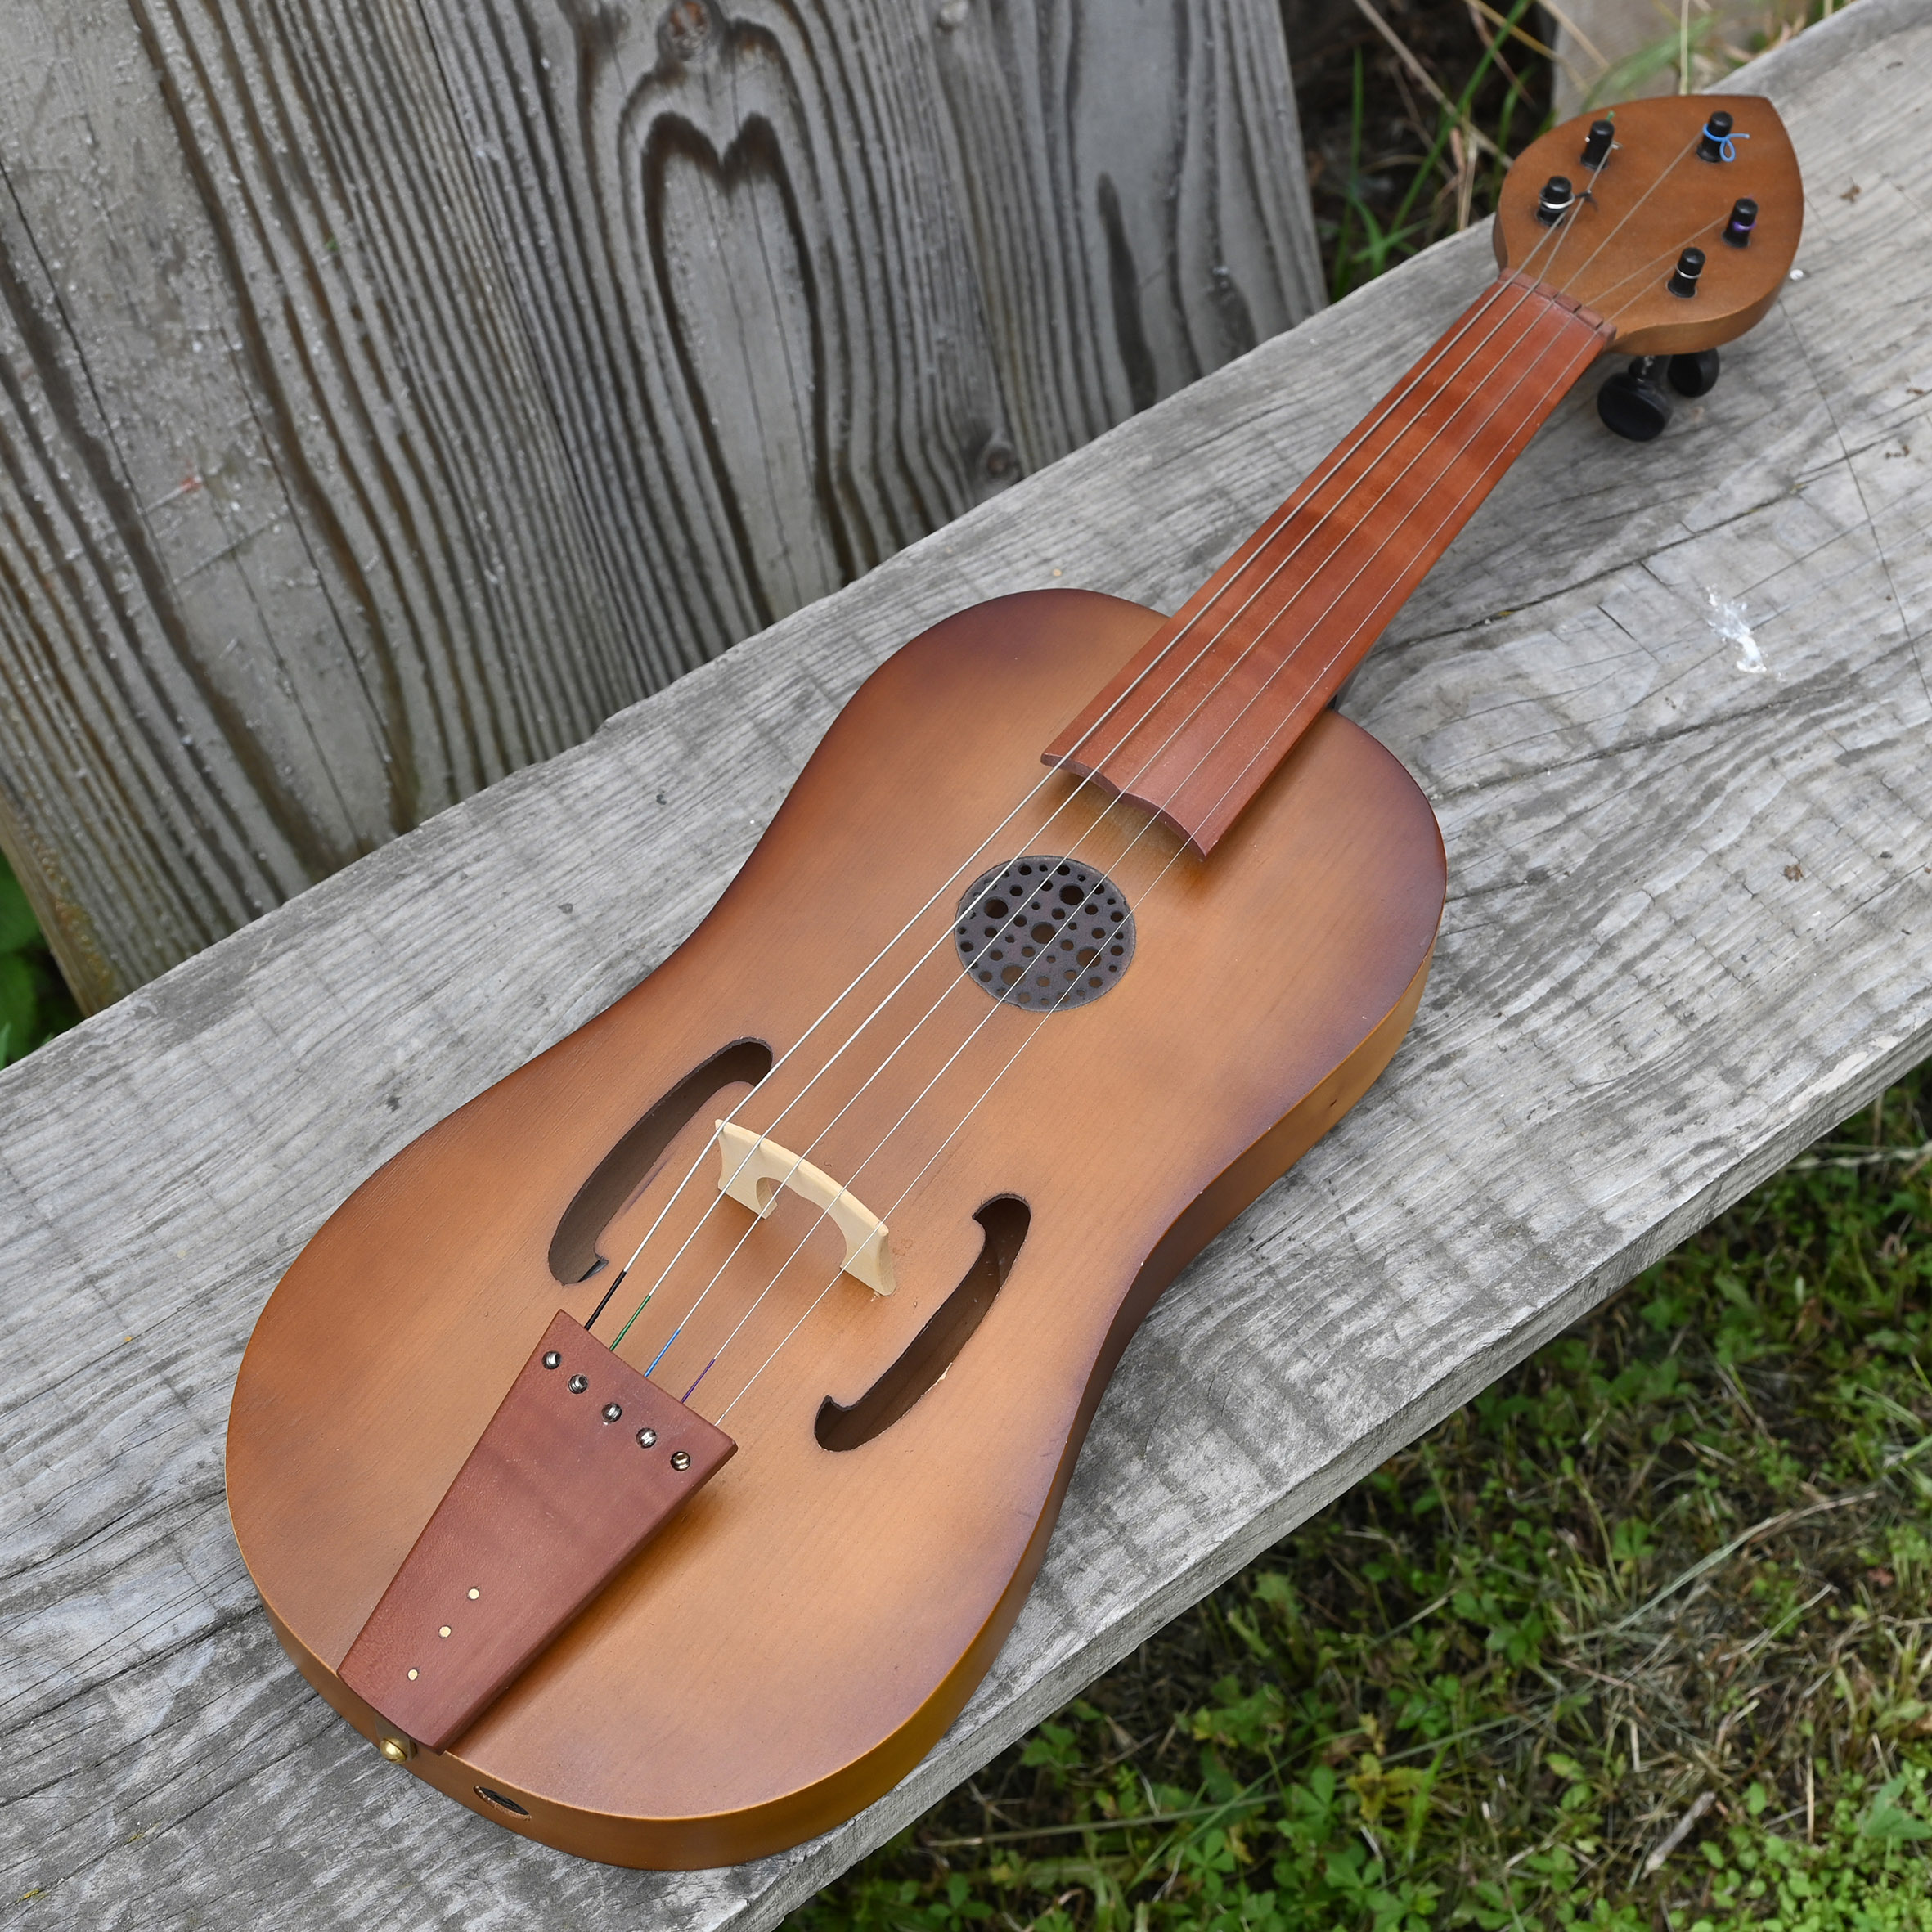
(163, 1163)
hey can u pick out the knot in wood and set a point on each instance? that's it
(688, 31)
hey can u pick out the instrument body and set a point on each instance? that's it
(794, 1642)
(1024, 1181)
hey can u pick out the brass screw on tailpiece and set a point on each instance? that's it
(399, 1750)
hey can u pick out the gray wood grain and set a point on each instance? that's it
(289, 557)
(389, 394)
(1635, 1015)
(1122, 171)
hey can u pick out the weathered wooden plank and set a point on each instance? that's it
(1634, 1015)
(289, 557)
(389, 394)
(1123, 187)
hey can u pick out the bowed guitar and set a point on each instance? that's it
(653, 1455)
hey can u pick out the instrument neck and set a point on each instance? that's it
(1196, 722)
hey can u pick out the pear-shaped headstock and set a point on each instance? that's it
(1672, 176)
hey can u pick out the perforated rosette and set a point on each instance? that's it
(1045, 932)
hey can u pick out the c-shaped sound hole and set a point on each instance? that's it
(574, 1248)
(932, 1350)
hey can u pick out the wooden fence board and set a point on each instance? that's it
(1124, 199)
(291, 557)
(389, 394)
(1636, 1014)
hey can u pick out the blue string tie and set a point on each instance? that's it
(1727, 143)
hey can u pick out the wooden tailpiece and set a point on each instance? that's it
(1267, 642)
(558, 1492)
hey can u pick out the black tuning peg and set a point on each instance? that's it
(1695, 375)
(1633, 403)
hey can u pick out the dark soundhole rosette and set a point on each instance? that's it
(1046, 933)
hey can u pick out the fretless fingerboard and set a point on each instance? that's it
(1197, 721)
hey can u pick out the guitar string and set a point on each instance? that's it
(1564, 380)
(1319, 479)
(845, 1189)
(1566, 375)
(1716, 222)
(1126, 790)
(1559, 233)
(993, 1009)
(954, 983)
(1684, 154)
(1324, 474)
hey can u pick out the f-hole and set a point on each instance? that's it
(932, 1351)
(574, 1248)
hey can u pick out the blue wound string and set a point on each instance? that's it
(1727, 143)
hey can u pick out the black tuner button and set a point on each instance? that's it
(1635, 403)
(1694, 375)
(1744, 217)
(1597, 146)
(1556, 201)
(1683, 278)
(1715, 141)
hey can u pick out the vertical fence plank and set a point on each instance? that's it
(388, 392)
(289, 559)
(1137, 197)
(737, 256)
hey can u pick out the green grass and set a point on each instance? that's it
(1681, 1557)
(1430, 196)
(1397, 162)
(34, 1002)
